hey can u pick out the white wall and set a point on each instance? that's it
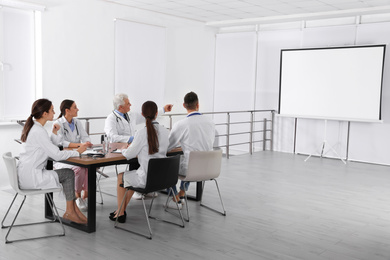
(267, 85)
(78, 59)
(78, 52)
(368, 142)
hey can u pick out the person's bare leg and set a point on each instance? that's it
(176, 197)
(85, 184)
(85, 194)
(70, 213)
(181, 193)
(79, 213)
(120, 195)
(126, 202)
(120, 192)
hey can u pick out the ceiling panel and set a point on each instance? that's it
(220, 11)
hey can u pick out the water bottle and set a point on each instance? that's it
(107, 144)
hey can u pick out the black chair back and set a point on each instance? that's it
(162, 173)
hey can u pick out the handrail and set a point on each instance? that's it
(267, 127)
(252, 122)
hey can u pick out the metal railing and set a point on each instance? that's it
(257, 130)
(267, 125)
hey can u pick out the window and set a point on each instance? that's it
(17, 62)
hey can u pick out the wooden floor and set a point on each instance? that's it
(278, 207)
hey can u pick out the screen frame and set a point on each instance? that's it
(383, 46)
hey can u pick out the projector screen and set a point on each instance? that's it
(340, 83)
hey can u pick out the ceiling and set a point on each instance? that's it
(225, 12)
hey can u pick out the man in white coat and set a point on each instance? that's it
(196, 132)
(120, 125)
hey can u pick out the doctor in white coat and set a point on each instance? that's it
(121, 123)
(196, 132)
(149, 142)
(69, 132)
(36, 150)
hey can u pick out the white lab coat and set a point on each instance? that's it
(65, 136)
(33, 159)
(140, 147)
(119, 130)
(193, 133)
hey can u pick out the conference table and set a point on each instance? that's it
(93, 163)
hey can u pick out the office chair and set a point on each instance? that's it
(204, 166)
(162, 174)
(10, 163)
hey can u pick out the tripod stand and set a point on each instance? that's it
(322, 147)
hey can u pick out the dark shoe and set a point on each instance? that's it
(121, 219)
(113, 213)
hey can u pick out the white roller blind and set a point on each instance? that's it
(17, 83)
(140, 62)
(235, 71)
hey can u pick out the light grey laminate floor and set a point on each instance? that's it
(278, 207)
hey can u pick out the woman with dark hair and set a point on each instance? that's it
(149, 142)
(36, 150)
(69, 132)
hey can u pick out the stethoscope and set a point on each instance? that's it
(67, 131)
(119, 118)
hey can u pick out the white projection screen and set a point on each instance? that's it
(340, 83)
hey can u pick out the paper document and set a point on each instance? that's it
(92, 151)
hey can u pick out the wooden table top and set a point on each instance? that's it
(109, 157)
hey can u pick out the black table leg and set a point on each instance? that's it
(198, 191)
(48, 210)
(91, 226)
